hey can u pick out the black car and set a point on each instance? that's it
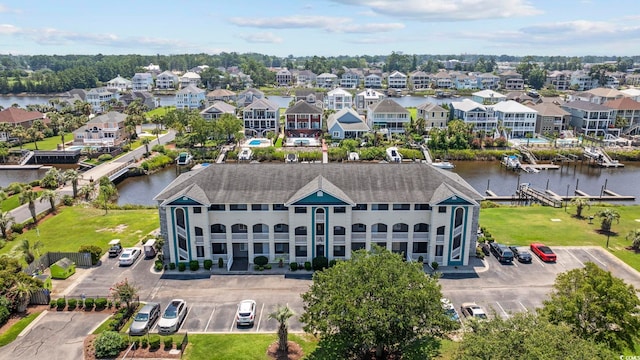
(502, 252)
(485, 249)
(522, 254)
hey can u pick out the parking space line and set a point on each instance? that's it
(538, 259)
(596, 259)
(514, 262)
(501, 308)
(573, 256)
(210, 317)
(233, 322)
(260, 317)
(524, 307)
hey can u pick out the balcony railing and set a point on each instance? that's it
(218, 237)
(420, 236)
(378, 236)
(439, 238)
(301, 238)
(339, 238)
(199, 239)
(281, 236)
(319, 217)
(261, 236)
(400, 236)
(358, 236)
(240, 236)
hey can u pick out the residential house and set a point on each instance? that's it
(304, 78)
(347, 124)
(397, 80)
(551, 118)
(167, 81)
(350, 79)
(220, 95)
(388, 114)
(487, 97)
(249, 96)
(107, 130)
(145, 97)
(480, 116)
(511, 80)
(632, 80)
(199, 69)
(625, 108)
(190, 78)
(464, 81)
(366, 98)
(217, 109)
(434, 115)
(298, 213)
(633, 94)
(142, 82)
(582, 81)
(338, 99)
(100, 97)
(519, 120)
(261, 117)
(19, 117)
(311, 97)
(303, 120)
(488, 81)
(442, 80)
(419, 80)
(119, 84)
(284, 78)
(373, 81)
(522, 97)
(598, 95)
(190, 97)
(327, 81)
(589, 118)
(152, 69)
(559, 80)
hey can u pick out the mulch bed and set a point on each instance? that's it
(295, 352)
(90, 353)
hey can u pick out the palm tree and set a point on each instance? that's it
(51, 196)
(634, 237)
(21, 293)
(27, 250)
(608, 216)
(5, 221)
(107, 192)
(29, 196)
(145, 141)
(73, 176)
(20, 133)
(580, 203)
(282, 315)
(87, 191)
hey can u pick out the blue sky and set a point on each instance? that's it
(321, 27)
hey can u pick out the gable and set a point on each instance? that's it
(320, 198)
(454, 200)
(349, 118)
(184, 200)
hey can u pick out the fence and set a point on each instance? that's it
(43, 262)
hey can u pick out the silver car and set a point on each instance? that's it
(173, 316)
(246, 312)
(145, 318)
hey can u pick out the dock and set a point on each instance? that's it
(550, 198)
(598, 157)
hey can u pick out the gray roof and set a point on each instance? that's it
(348, 119)
(585, 105)
(428, 106)
(219, 107)
(387, 106)
(262, 104)
(190, 89)
(303, 107)
(280, 183)
(110, 117)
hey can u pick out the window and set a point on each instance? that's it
(422, 207)
(301, 230)
(420, 247)
(182, 243)
(379, 207)
(382, 244)
(338, 230)
(300, 210)
(200, 251)
(238, 207)
(339, 250)
(401, 207)
(197, 210)
(180, 218)
(281, 228)
(421, 227)
(442, 209)
(301, 250)
(400, 227)
(358, 228)
(239, 228)
(259, 207)
(260, 248)
(279, 207)
(439, 250)
(260, 229)
(218, 229)
(282, 248)
(218, 249)
(336, 134)
(198, 231)
(320, 250)
(440, 230)
(459, 217)
(379, 228)
(339, 210)
(360, 207)
(216, 207)
(358, 246)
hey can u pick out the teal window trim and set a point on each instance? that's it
(175, 235)
(313, 232)
(326, 232)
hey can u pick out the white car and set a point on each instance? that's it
(246, 312)
(172, 316)
(129, 256)
(473, 310)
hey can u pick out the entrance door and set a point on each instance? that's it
(240, 257)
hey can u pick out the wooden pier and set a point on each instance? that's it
(550, 198)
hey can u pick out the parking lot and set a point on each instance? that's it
(516, 287)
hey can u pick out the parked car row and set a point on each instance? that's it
(506, 254)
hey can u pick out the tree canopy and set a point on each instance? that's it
(375, 303)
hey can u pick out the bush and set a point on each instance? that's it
(88, 303)
(4, 315)
(53, 303)
(319, 263)
(168, 343)
(94, 250)
(158, 265)
(420, 259)
(208, 264)
(194, 265)
(261, 260)
(71, 304)
(268, 266)
(182, 266)
(67, 200)
(307, 265)
(61, 303)
(333, 262)
(17, 228)
(158, 148)
(220, 263)
(172, 266)
(145, 342)
(434, 265)
(479, 253)
(136, 341)
(108, 344)
(154, 343)
(293, 266)
(101, 303)
(105, 157)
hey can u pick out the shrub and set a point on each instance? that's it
(108, 344)
(172, 266)
(256, 267)
(94, 250)
(101, 303)
(53, 303)
(105, 157)
(17, 228)
(182, 266)
(67, 200)
(158, 265)
(61, 303)
(333, 262)
(194, 265)
(319, 263)
(154, 343)
(434, 265)
(307, 265)
(479, 253)
(117, 304)
(109, 304)
(158, 148)
(268, 266)
(145, 342)
(261, 260)
(293, 266)
(88, 303)
(420, 259)
(168, 343)
(220, 263)
(208, 264)
(4, 315)
(136, 341)
(71, 304)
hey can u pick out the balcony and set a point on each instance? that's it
(420, 236)
(260, 236)
(359, 236)
(240, 236)
(400, 236)
(379, 236)
(199, 240)
(440, 238)
(215, 237)
(281, 236)
(339, 238)
(301, 239)
(319, 218)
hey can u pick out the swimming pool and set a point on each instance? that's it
(258, 143)
(525, 141)
(78, 147)
(254, 142)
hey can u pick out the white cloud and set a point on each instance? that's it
(447, 10)
(5, 9)
(7, 29)
(264, 37)
(327, 23)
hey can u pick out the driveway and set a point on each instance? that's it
(54, 336)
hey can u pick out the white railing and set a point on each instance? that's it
(420, 236)
(240, 236)
(320, 218)
(218, 237)
(339, 238)
(400, 236)
(379, 236)
(301, 238)
(281, 236)
(199, 239)
(182, 232)
(439, 238)
(261, 236)
(358, 236)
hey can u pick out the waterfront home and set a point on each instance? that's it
(107, 130)
(217, 109)
(435, 116)
(119, 84)
(189, 78)
(480, 116)
(327, 80)
(442, 80)
(310, 96)
(397, 80)
(99, 98)
(519, 120)
(338, 99)
(625, 108)
(350, 79)
(190, 97)
(464, 81)
(512, 80)
(167, 81)
(373, 81)
(366, 98)
(303, 120)
(299, 212)
(598, 95)
(559, 80)
(632, 80)
(347, 124)
(260, 117)
(142, 82)
(487, 81)
(551, 118)
(388, 114)
(487, 97)
(304, 78)
(220, 95)
(145, 97)
(19, 117)
(419, 80)
(249, 96)
(284, 78)
(590, 118)
(582, 81)
(632, 93)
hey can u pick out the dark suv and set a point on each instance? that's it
(501, 252)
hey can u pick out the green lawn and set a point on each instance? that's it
(76, 226)
(413, 112)
(239, 346)
(13, 202)
(161, 111)
(50, 143)
(524, 225)
(17, 328)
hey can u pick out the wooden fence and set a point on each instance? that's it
(44, 261)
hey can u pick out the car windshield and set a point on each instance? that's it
(481, 316)
(125, 255)
(171, 312)
(546, 250)
(142, 317)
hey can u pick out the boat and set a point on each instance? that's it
(393, 155)
(184, 159)
(245, 154)
(512, 162)
(443, 165)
